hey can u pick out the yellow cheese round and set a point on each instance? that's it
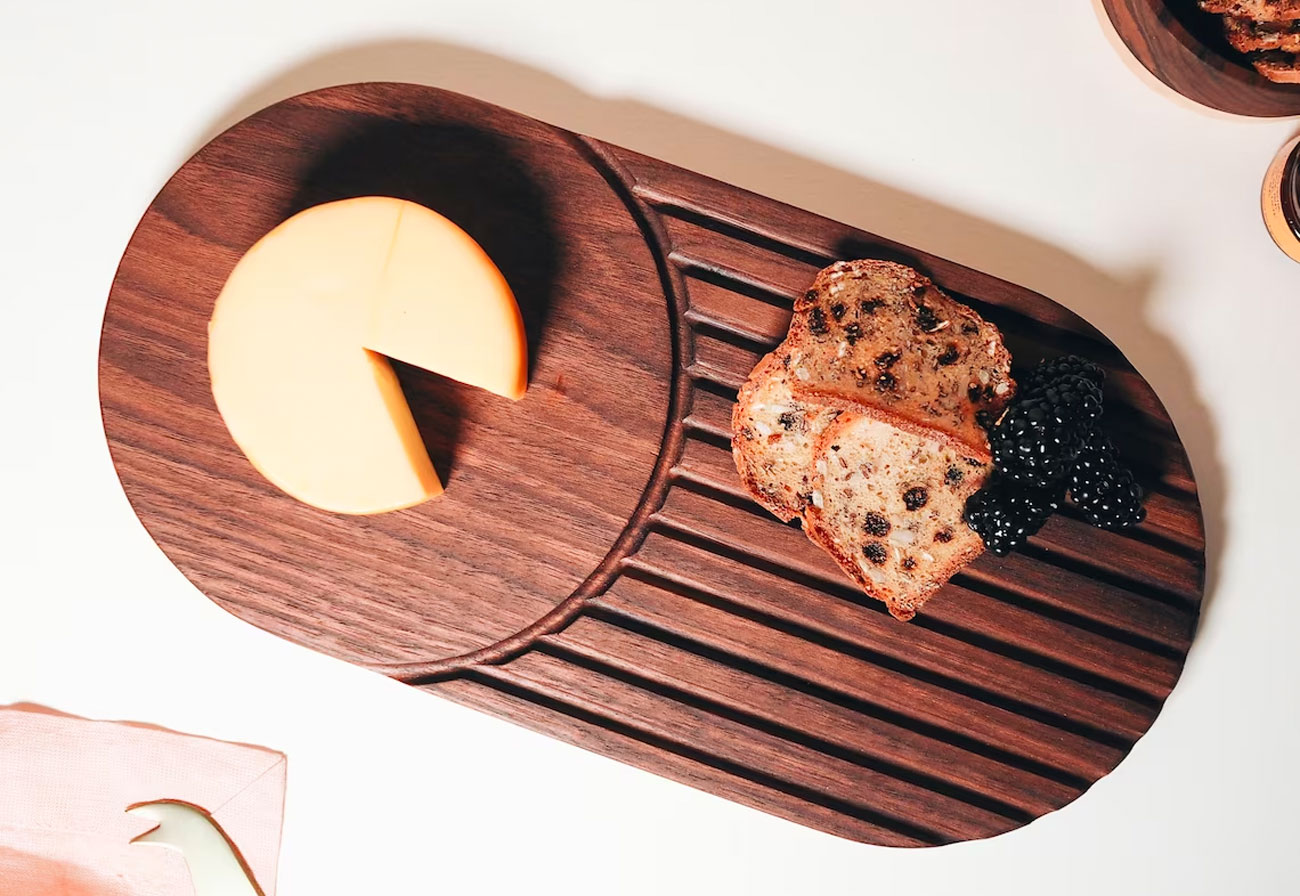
(301, 333)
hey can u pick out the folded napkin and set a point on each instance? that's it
(65, 785)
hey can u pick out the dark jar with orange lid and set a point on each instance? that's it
(1281, 199)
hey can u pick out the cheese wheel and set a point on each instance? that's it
(300, 337)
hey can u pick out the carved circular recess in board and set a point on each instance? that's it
(538, 492)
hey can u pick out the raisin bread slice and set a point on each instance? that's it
(887, 504)
(772, 437)
(1252, 37)
(883, 335)
(1284, 68)
(1259, 10)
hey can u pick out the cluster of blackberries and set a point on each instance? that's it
(1047, 443)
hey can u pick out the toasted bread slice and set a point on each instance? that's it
(883, 335)
(887, 504)
(863, 424)
(772, 437)
(1284, 68)
(1253, 37)
(1258, 10)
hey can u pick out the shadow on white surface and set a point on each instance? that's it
(1114, 302)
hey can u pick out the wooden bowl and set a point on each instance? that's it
(1186, 49)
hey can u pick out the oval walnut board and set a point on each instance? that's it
(595, 570)
(1185, 48)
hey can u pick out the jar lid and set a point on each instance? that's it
(1291, 190)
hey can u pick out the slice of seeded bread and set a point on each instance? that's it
(1252, 37)
(1259, 10)
(883, 335)
(772, 436)
(1284, 68)
(887, 504)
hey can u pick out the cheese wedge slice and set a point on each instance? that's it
(300, 337)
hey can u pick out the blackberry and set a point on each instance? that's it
(1004, 514)
(1071, 396)
(1037, 440)
(1048, 372)
(875, 552)
(1073, 386)
(1104, 490)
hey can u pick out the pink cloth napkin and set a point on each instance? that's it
(65, 783)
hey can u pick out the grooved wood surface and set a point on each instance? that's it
(595, 570)
(1185, 48)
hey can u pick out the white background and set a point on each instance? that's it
(1012, 136)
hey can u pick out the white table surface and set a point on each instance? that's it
(1014, 137)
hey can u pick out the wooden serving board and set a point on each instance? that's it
(1186, 49)
(595, 570)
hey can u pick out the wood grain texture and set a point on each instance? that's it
(538, 491)
(595, 570)
(1186, 49)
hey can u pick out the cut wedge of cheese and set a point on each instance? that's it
(300, 337)
(443, 306)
